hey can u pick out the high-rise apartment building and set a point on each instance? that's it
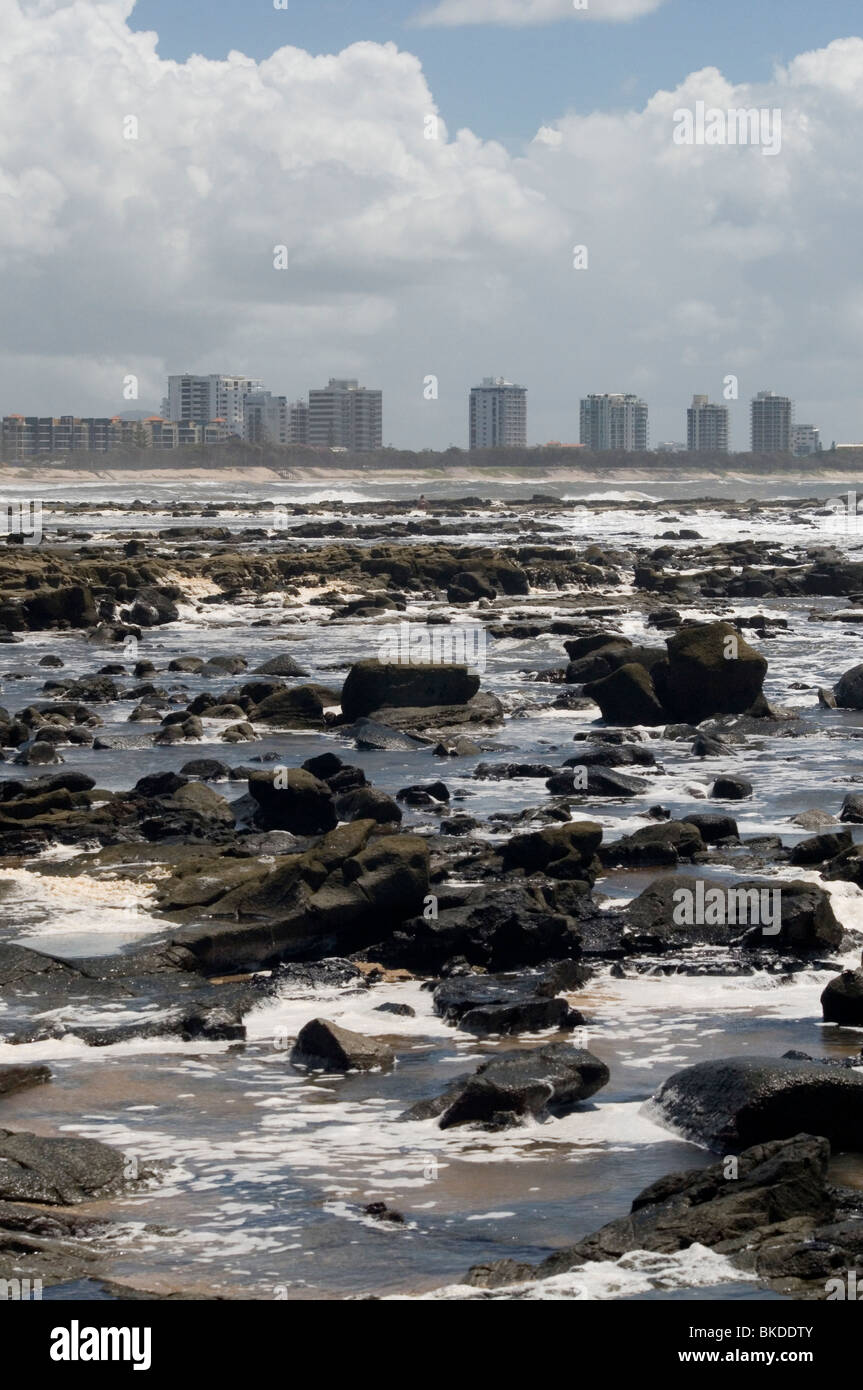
(614, 422)
(805, 440)
(298, 423)
(707, 427)
(265, 418)
(345, 415)
(201, 399)
(772, 423)
(498, 415)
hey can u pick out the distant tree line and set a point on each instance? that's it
(235, 453)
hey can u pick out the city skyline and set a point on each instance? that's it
(347, 417)
(400, 243)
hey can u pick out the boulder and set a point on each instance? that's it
(57, 1171)
(849, 689)
(301, 706)
(297, 802)
(283, 665)
(208, 769)
(779, 1182)
(69, 605)
(375, 685)
(503, 927)
(710, 670)
(486, 1004)
(664, 843)
(657, 921)
(627, 696)
(731, 789)
(578, 647)
(202, 801)
(808, 922)
(819, 848)
(714, 828)
(842, 1000)
(731, 1103)
(852, 809)
(595, 781)
(368, 803)
(514, 1087)
(322, 1043)
(573, 845)
(373, 734)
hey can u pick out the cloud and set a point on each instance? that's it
(410, 255)
(520, 13)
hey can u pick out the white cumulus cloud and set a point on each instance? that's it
(410, 255)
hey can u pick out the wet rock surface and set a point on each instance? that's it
(509, 833)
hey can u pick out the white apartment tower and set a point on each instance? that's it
(805, 440)
(707, 427)
(772, 423)
(204, 398)
(616, 423)
(498, 415)
(345, 415)
(265, 418)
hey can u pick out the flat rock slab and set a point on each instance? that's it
(16, 1078)
(57, 1171)
(485, 1004)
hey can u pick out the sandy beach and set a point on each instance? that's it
(18, 475)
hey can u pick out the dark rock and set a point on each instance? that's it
(627, 696)
(713, 828)
(283, 665)
(57, 1171)
(664, 843)
(159, 784)
(208, 769)
(734, 1102)
(321, 1042)
(596, 781)
(731, 789)
(852, 809)
(820, 848)
(512, 1087)
(572, 846)
(849, 689)
(17, 1078)
(373, 685)
(485, 1004)
(700, 680)
(297, 802)
(842, 1000)
(368, 803)
(776, 1184)
(371, 733)
(301, 706)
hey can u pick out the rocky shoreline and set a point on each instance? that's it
(266, 871)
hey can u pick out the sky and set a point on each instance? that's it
(450, 189)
